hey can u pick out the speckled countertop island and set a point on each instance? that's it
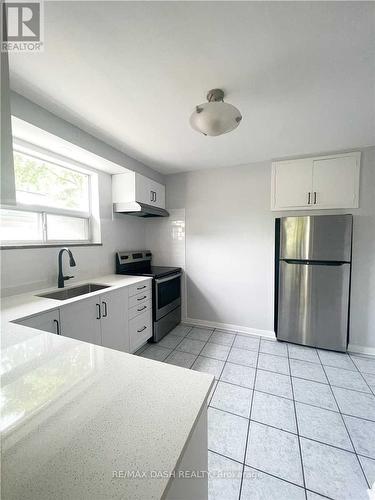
(77, 417)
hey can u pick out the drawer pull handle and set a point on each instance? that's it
(141, 287)
(145, 297)
(142, 308)
(142, 329)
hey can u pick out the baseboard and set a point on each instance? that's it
(230, 327)
(360, 349)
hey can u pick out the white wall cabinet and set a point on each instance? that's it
(325, 182)
(133, 187)
(47, 322)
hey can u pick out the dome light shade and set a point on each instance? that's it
(215, 117)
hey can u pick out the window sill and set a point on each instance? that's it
(60, 245)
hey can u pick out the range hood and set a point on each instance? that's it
(139, 209)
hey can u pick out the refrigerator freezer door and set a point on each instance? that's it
(313, 304)
(319, 237)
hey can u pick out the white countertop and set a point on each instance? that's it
(27, 304)
(75, 414)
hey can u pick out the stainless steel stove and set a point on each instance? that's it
(166, 288)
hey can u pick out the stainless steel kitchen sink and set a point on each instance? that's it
(75, 291)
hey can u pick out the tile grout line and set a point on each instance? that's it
(359, 371)
(206, 342)
(278, 373)
(161, 347)
(267, 473)
(298, 434)
(320, 363)
(225, 362)
(175, 348)
(268, 371)
(350, 437)
(294, 401)
(288, 432)
(290, 399)
(248, 426)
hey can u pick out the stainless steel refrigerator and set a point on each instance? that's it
(313, 268)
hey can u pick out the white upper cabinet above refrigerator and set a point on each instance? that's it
(324, 182)
(292, 182)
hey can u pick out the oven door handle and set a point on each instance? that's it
(168, 278)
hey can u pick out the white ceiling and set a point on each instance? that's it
(301, 73)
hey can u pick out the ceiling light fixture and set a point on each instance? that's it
(215, 117)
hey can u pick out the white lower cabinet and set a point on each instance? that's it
(81, 320)
(101, 320)
(140, 315)
(47, 322)
(140, 308)
(140, 298)
(140, 330)
(110, 319)
(114, 319)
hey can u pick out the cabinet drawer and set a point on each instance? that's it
(140, 298)
(140, 330)
(142, 286)
(139, 309)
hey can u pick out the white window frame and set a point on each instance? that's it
(23, 147)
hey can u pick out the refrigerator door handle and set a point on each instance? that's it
(315, 262)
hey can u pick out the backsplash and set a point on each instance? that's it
(165, 237)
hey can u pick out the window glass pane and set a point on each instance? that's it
(39, 182)
(60, 228)
(20, 226)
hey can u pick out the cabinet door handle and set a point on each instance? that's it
(142, 329)
(151, 196)
(155, 195)
(141, 287)
(144, 297)
(142, 308)
(309, 198)
(314, 197)
(57, 326)
(98, 311)
(105, 313)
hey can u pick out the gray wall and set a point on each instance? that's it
(32, 113)
(230, 246)
(30, 269)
